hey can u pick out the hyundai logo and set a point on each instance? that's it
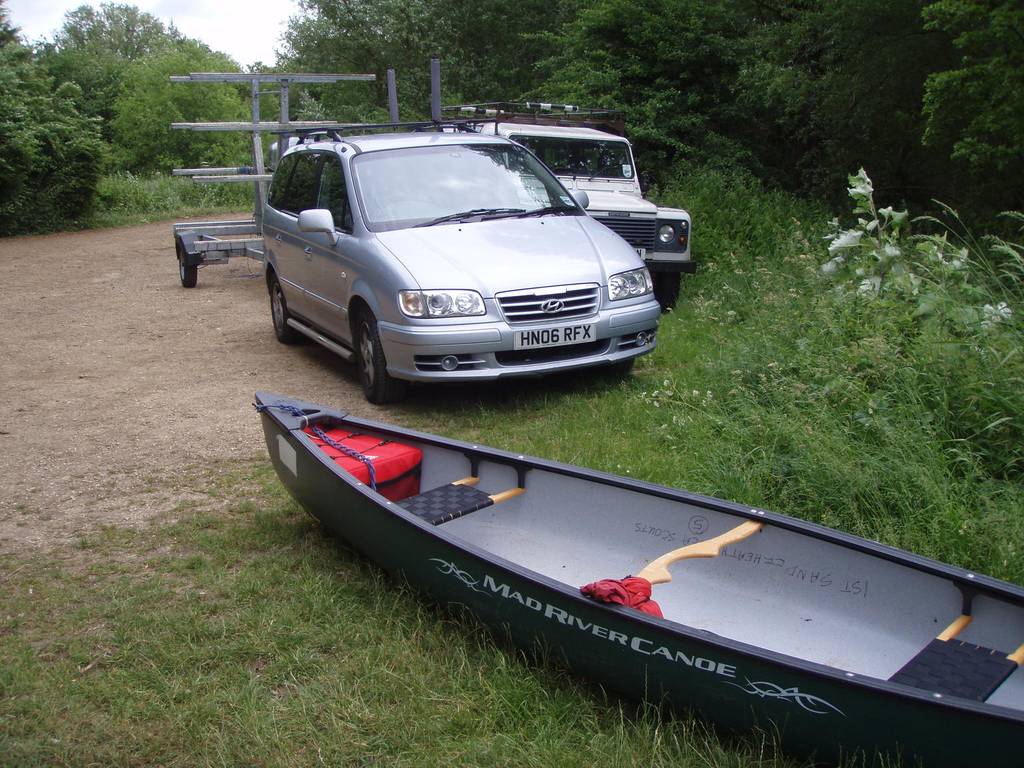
(551, 306)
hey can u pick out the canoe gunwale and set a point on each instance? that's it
(968, 582)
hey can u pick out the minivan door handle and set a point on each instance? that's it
(309, 253)
(278, 237)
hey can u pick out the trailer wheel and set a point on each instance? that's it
(666, 288)
(280, 315)
(187, 273)
(378, 386)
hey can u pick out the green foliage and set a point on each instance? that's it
(829, 86)
(94, 47)
(149, 102)
(954, 299)
(669, 65)
(51, 156)
(125, 198)
(487, 51)
(978, 104)
(8, 33)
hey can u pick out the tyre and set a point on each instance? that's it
(666, 288)
(187, 273)
(378, 386)
(279, 314)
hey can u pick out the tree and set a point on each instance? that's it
(487, 52)
(669, 64)
(8, 33)
(833, 86)
(95, 47)
(149, 103)
(52, 154)
(977, 106)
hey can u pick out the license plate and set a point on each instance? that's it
(641, 252)
(556, 336)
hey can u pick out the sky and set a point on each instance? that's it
(245, 30)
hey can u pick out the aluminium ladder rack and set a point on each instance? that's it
(199, 243)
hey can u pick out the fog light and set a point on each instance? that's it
(449, 362)
(642, 339)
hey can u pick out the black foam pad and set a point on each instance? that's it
(956, 668)
(439, 505)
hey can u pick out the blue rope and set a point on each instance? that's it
(348, 452)
(288, 408)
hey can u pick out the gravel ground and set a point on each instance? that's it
(121, 388)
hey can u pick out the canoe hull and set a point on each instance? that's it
(814, 710)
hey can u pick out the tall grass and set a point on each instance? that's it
(124, 198)
(771, 387)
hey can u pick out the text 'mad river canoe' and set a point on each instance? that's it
(840, 644)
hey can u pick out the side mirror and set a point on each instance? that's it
(318, 220)
(645, 182)
(581, 197)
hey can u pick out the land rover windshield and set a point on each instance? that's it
(588, 158)
(432, 186)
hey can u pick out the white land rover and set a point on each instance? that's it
(584, 148)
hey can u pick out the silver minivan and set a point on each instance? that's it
(440, 256)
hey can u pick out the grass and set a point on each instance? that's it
(248, 638)
(123, 199)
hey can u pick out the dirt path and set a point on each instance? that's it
(114, 378)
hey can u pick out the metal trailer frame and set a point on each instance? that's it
(198, 243)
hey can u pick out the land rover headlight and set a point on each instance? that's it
(441, 303)
(665, 233)
(628, 285)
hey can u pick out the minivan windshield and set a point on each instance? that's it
(589, 158)
(425, 186)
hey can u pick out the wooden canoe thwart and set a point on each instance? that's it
(840, 645)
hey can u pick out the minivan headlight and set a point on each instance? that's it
(441, 303)
(628, 285)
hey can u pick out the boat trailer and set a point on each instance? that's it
(199, 243)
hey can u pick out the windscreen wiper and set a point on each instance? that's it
(553, 210)
(470, 214)
(602, 169)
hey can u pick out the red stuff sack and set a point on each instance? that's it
(396, 467)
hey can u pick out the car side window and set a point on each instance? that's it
(276, 198)
(334, 195)
(300, 194)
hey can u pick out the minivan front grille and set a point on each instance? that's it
(556, 303)
(636, 231)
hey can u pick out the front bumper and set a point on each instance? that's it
(485, 351)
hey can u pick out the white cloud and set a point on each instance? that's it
(244, 30)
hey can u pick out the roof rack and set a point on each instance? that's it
(339, 130)
(543, 113)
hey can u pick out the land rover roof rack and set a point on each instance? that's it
(544, 113)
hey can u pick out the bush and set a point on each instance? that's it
(51, 156)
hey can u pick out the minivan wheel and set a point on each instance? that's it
(279, 314)
(378, 386)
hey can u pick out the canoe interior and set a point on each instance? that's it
(779, 589)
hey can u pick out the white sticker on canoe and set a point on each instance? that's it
(286, 454)
(641, 645)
